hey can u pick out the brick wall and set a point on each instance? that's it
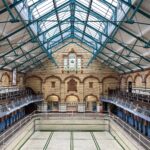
(101, 77)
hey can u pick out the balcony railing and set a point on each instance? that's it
(14, 105)
(129, 106)
(12, 92)
(23, 125)
(9, 89)
(141, 91)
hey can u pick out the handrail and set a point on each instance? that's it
(129, 106)
(10, 89)
(5, 135)
(37, 115)
(130, 130)
(14, 105)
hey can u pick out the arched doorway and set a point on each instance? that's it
(53, 102)
(35, 83)
(91, 103)
(5, 79)
(72, 102)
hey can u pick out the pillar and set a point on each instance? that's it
(148, 130)
(98, 107)
(62, 92)
(144, 85)
(133, 85)
(145, 128)
(44, 106)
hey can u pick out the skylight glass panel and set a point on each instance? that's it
(79, 25)
(102, 9)
(64, 26)
(59, 2)
(113, 2)
(84, 2)
(78, 34)
(81, 16)
(90, 41)
(51, 21)
(30, 2)
(66, 34)
(57, 38)
(91, 32)
(43, 8)
(94, 22)
(63, 15)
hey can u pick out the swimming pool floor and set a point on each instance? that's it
(71, 141)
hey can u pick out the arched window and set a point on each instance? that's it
(72, 62)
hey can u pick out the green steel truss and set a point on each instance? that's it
(52, 23)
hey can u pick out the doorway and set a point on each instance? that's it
(130, 87)
(91, 103)
(53, 103)
(72, 103)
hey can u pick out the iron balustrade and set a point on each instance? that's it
(14, 105)
(9, 89)
(141, 91)
(13, 92)
(138, 94)
(129, 106)
(132, 132)
(24, 123)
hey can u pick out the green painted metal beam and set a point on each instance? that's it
(109, 49)
(26, 63)
(11, 6)
(52, 12)
(111, 22)
(120, 44)
(118, 69)
(87, 17)
(100, 58)
(98, 42)
(55, 7)
(43, 52)
(136, 9)
(23, 44)
(72, 18)
(32, 22)
(32, 50)
(97, 56)
(55, 50)
(32, 35)
(139, 10)
(9, 10)
(27, 68)
(86, 43)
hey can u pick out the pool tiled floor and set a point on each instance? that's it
(71, 141)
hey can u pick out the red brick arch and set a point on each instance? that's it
(53, 94)
(6, 74)
(72, 95)
(74, 77)
(137, 75)
(90, 95)
(107, 77)
(146, 76)
(52, 76)
(34, 76)
(91, 76)
(129, 76)
(121, 78)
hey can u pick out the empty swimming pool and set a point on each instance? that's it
(71, 141)
(50, 131)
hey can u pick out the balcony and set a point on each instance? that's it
(135, 109)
